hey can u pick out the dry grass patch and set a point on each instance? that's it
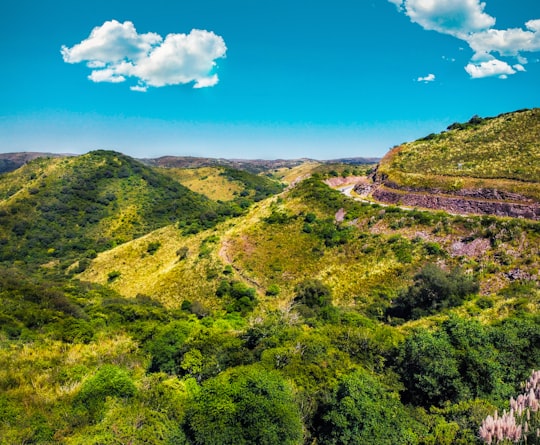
(207, 181)
(171, 273)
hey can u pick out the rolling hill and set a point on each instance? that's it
(483, 166)
(58, 208)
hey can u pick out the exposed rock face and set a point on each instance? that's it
(483, 202)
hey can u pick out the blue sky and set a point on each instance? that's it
(258, 79)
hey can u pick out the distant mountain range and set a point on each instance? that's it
(12, 161)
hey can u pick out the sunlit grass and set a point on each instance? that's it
(500, 153)
(206, 180)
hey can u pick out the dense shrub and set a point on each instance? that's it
(433, 290)
(363, 411)
(244, 406)
(313, 293)
(109, 381)
(238, 296)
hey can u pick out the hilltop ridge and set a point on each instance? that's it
(483, 166)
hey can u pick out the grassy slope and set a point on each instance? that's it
(501, 152)
(379, 252)
(164, 275)
(207, 181)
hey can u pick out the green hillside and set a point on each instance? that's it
(226, 184)
(502, 152)
(158, 318)
(64, 208)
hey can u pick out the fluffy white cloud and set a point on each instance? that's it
(466, 20)
(507, 42)
(111, 42)
(454, 17)
(115, 51)
(490, 68)
(426, 79)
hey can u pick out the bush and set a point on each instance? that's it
(244, 406)
(272, 290)
(109, 381)
(429, 369)
(313, 293)
(153, 247)
(113, 275)
(165, 347)
(362, 411)
(433, 290)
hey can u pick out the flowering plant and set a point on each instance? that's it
(520, 425)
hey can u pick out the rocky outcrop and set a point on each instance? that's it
(480, 202)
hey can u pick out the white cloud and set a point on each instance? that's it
(489, 68)
(140, 88)
(115, 51)
(454, 17)
(426, 79)
(111, 42)
(467, 21)
(398, 3)
(106, 75)
(507, 42)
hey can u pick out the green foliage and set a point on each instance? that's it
(113, 275)
(165, 347)
(466, 360)
(73, 210)
(277, 217)
(238, 296)
(429, 369)
(260, 187)
(433, 290)
(153, 247)
(363, 411)
(272, 290)
(313, 293)
(244, 406)
(109, 381)
(77, 331)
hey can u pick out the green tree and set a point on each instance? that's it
(429, 369)
(313, 293)
(433, 290)
(362, 411)
(165, 347)
(243, 406)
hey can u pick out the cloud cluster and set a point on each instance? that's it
(467, 21)
(115, 51)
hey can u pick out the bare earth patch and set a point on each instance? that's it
(475, 248)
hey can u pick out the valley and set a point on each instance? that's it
(198, 301)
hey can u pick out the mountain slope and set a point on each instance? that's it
(486, 166)
(58, 208)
